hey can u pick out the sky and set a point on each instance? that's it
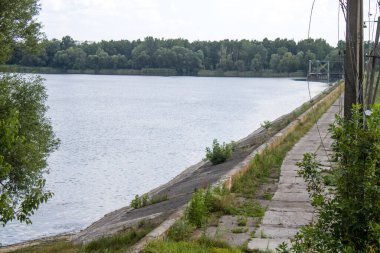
(96, 20)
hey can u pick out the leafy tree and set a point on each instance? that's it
(26, 140)
(275, 62)
(187, 58)
(26, 135)
(17, 24)
(67, 42)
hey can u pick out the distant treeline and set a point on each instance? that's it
(177, 56)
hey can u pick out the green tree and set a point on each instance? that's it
(17, 25)
(26, 140)
(26, 135)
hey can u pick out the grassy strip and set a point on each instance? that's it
(270, 161)
(203, 245)
(120, 242)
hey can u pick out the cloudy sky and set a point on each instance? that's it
(96, 20)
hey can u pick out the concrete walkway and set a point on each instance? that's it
(290, 207)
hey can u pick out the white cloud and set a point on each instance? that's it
(196, 19)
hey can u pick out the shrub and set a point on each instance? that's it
(197, 212)
(266, 124)
(144, 200)
(180, 231)
(219, 153)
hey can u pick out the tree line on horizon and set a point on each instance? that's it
(187, 58)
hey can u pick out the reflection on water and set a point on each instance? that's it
(124, 135)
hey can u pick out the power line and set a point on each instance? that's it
(308, 87)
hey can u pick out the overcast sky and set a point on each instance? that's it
(96, 20)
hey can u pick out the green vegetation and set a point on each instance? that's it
(266, 124)
(152, 56)
(181, 230)
(239, 230)
(198, 210)
(120, 242)
(144, 200)
(26, 135)
(26, 140)
(219, 153)
(242, 221)
(18, 24)
(349, 218)
(203, 245)
(269, 162)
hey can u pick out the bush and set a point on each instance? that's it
(349, 217)
(219, 153)
(180, 231)
(144, 200)
(197, 212)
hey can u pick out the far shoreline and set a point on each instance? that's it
(150, 72)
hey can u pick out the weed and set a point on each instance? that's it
(239, 230)
(197, 212)
(158, 198)
(144, 200)
(180, 231)
(202, 245)
(242, 221)
(268, 194)
(219, 153)
(266, 124)
(249, 209)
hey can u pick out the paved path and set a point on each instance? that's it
(290, 207)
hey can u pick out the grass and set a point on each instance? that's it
(120, 242)
(247, 209)
(270, 161)
(203, 245)
(268, 194)
(181, 230)
(242, 221)
(239, 230)
(145, 200)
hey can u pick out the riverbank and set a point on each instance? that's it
(146, 72)
(179, 190)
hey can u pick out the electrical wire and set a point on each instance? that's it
(340, 59)
(308, 87)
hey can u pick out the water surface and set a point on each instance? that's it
(124, 135)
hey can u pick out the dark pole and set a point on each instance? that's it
(354, 56)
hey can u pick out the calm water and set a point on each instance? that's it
(124, 135)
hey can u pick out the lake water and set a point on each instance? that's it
(124, 135)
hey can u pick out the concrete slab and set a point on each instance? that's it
(266, 244)
(275, 232)
(287, 219)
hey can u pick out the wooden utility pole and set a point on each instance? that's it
(354, 58)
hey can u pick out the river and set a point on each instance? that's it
(124, 135)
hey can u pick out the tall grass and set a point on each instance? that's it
(120, 242)
(204, 245)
